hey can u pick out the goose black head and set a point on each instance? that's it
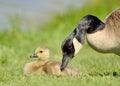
(74, 42)
(91, 24)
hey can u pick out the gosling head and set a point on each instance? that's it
(41, 53)
(74, 42)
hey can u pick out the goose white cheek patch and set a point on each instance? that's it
(77, 45)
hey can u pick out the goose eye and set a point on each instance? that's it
(70, 47)
(90, 29)
(41, 51)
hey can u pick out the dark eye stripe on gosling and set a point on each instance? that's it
(101, 36)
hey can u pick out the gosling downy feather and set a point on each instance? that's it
(45, 66)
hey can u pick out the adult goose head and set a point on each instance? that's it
(103, 37)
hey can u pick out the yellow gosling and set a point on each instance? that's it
(45, 66)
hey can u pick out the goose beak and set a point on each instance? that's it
(33, 55)
(65, 61)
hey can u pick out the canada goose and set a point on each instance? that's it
(45, 66)
(103, 37)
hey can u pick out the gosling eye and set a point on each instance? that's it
(41, 51)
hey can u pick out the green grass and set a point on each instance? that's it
(16, 46)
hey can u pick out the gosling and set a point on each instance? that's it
(45, 66)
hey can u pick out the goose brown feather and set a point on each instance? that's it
(108, 39)
(102, 36)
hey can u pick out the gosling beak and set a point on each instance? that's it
(65, 61)
(33, 55)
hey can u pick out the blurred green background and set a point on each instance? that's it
(18, 43)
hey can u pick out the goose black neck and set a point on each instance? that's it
(80, 34)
